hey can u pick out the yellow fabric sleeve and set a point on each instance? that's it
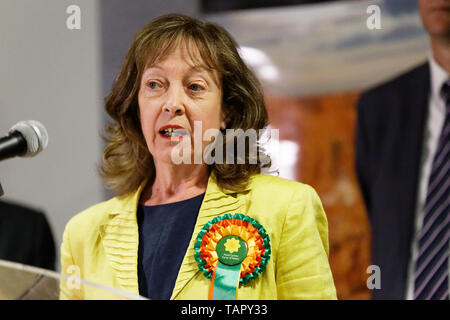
(303, 270)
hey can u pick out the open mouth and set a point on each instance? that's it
(173, 131)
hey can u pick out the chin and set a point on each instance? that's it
(172, 155)
(439, 24)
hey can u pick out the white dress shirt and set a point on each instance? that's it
(433, 128)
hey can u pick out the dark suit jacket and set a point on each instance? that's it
(25, 236)
(390, 128)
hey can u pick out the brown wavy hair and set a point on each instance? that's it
(126, 159)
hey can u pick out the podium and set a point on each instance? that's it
(23, 282)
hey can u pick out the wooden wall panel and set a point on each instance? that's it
(324, 128)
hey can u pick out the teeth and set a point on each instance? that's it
(179, 133)
(171, 132)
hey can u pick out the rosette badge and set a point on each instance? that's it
(231, 250)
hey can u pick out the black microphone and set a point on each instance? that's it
(25, 139)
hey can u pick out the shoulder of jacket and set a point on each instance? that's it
(92, 217)
(274, 186)
(404, 81)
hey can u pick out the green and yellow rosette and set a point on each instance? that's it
(232, 250)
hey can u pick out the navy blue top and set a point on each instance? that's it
(164, 234)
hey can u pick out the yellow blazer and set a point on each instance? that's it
(102, 243)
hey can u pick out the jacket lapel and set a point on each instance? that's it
(217, 202)
(120, 239)
(408, 150)
(414, 119)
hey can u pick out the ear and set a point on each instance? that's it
(224, 118)
(223, 125)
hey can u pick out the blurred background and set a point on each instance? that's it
(313, 57)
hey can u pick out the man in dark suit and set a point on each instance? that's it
(25, 236)
(402, 128)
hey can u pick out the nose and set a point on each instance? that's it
(175, 101)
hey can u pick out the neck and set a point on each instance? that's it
(440, 47)
(175, 183)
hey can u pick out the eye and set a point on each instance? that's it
(195, 87)
(153, 85)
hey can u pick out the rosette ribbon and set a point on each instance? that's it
(231, 250)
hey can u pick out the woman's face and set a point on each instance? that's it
(173, 95)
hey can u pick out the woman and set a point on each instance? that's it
(194, 229)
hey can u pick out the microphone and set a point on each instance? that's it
(24, 139)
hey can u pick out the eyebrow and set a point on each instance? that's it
(193, 68)
(197, 68)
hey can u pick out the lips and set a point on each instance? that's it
(172, 131)
(440, 7)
